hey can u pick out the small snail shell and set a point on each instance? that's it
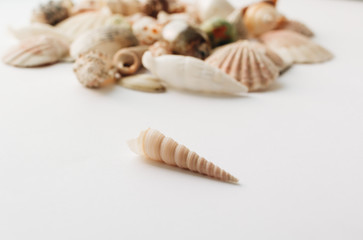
(128, 60)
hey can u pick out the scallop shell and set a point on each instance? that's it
(274, 57)
(147, 30)
(295, 26)
(246, 64)
(294, 47)
(75, 26)
(143, 82)
(261, 17)
(52, 12)
(192, 74)
(94, 70)
(214, 8)
(36, 51)
(124, 7)
(236, 19)
(154, 145)
(106, 39)
(128, 60)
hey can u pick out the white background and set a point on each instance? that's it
(66, 172)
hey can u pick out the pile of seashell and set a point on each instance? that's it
(207, 46)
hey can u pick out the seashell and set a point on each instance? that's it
(160, 48)
(75, 26)
(52, 12)
(192, 74)
(147, 30)
(107, 39)
(214, 8)
(36, 51)
(164, 18)
(37, 29)
(94, 69)
(295, 26)
(142, 82)
(294, 47)
(124, 7)
(261, 17)
(117, 20)
(186, 40)
(244, 63)
(153, 7)
(88, 6)
(128, 60)
(156, 146)
(219, 31)
(236, 19)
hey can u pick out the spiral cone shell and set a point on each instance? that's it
(244, 62)
(294, 47)
(156, 146)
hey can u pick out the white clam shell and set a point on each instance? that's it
(214, 8)
(107, 39)
(142, 82)
(154, 145)
(36, 51)
(192, 74)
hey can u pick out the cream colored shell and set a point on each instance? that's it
(156, 146)
(143, 82)
(246, 63)
(295, 26)
(294, 47)
(124, 7)
(236, 19)
(128, 60)
(214, 8)
(191, 74)
(147, 30)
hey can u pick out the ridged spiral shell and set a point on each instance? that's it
(156, 146)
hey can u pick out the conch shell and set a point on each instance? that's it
(295, 26)
(128, 60)
(214, 8)
(52, 12)
(106, 39)
(261, 17)
(246, 64)
(36, 51)
(192, 74)
(154, 145)
(124, 7)
(294, 47)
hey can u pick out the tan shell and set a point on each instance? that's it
(87, 6)
(36, 51)
(156, 146)
(295, 26)
(94, 70)
(153, 7)
(143, 82)
(246, 64)
(147, 30)
(75, 26)
(236, 19)
(52, 12)
(274, 57)
(260, 18)
(124, 7)
(160, 48)
(164, 18)
(107, 39)
(128, 60)
(294, 47)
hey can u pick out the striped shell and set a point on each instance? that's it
(191, 74)
(156, 146)
(294, 47)
(36, 51)
(245, 63)
(296, 26)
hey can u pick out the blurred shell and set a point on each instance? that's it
(261, 17)
(87, 6)
(75, 26)
(124, 7)
(160, 48)
(147, 30)
(52, 12)
(94, 70)
(128, 60)
(36, 51)
(143, 82)
(214, 8)
(246, 64)
(236, 19)
(192, 74)
(156, 146)
(294, 47)
(295, 26)
(219, 31)
(164, 18)
(186, 40)
(153, 7)
(117, 20)
(107, 39)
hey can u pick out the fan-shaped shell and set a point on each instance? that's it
(260, 18)
(128, 60)
(156, 146)
(243, 62)
(124, 7)
(192, 74)
(75, 26)
(52, 12)
(294, 47)
(295, 26)
(214, 8)
(274, 57)
(94, 69)
(105, 39)
(36, 51)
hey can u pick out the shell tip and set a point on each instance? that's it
(133, 145)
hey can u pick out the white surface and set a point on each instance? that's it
(66, 172)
